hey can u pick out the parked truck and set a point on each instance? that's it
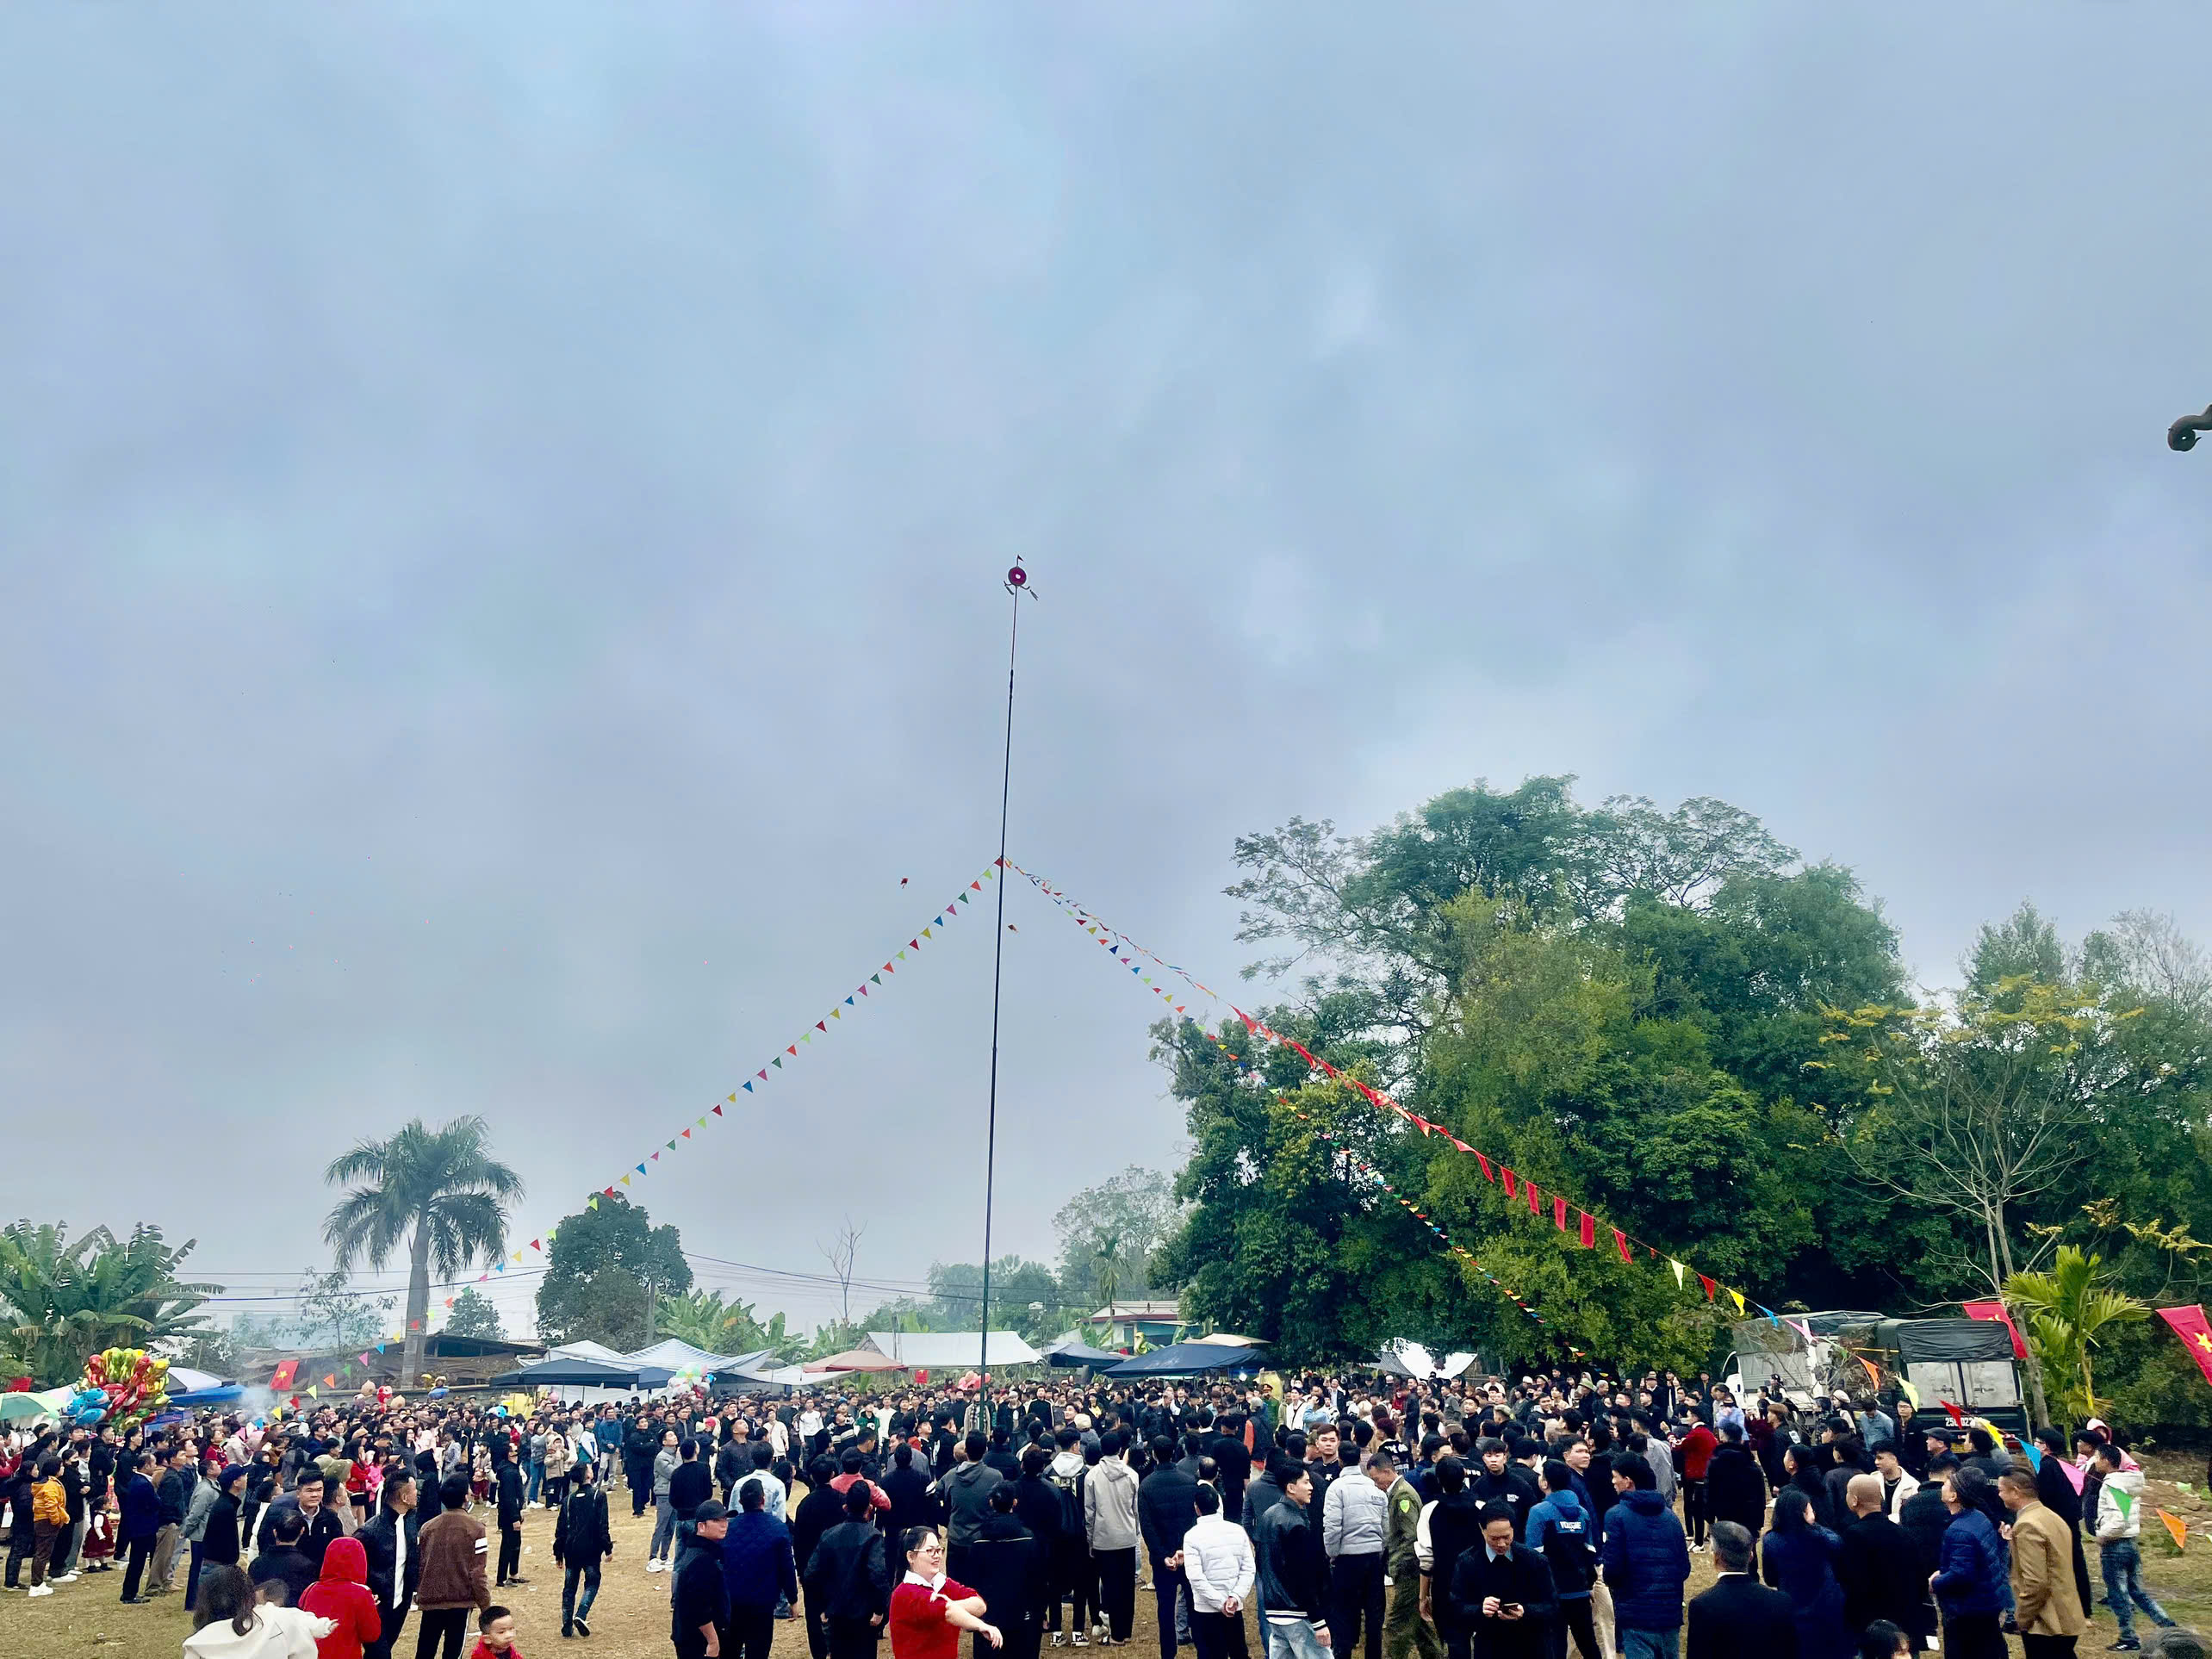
(1966, 1362)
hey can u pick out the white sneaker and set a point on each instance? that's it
(655, 1565)
(65, 1578)
(42, 1589)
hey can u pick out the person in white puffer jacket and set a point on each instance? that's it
(2119, 1520)
(231, 1625)
(1216, 1558)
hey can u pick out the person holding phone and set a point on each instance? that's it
(1502, 1593)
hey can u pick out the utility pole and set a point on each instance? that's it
(1017, 584)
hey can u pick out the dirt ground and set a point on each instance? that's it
(631, 1616)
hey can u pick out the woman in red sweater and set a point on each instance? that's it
(929, 1611)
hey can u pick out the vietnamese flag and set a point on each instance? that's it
(1993, 1311)
(2189, 1325)
(285, 1373)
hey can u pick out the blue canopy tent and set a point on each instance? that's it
(1076, 1353)
(1191, 1359)
(228, 1394)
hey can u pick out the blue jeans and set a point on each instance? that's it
(2122, 1563)
(1649, 1644)
(1295, 1640)
(533, 1472)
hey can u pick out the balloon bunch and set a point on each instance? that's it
(122, 1387)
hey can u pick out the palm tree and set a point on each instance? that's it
(2067, 1309)
(1107, 1253)
(60, 1299)
(440, 1192)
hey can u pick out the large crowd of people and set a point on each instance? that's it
(1493, 1519)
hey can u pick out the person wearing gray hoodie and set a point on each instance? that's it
(966, 1490)
(1110, 1519)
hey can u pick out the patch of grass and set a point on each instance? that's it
(629, 1621)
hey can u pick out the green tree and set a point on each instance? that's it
(1982, 1109)
(1025, 1297)
(472, 1315)
(333, 1314)
(62, 1299)
(608, 1269)
(2071, 1309)
(1282, 1239)
(439, 1193)
(1619, 1001)
(1109, 1234)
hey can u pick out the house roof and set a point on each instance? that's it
(947, 1349)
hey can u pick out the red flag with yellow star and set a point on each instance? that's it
(2189, 1324)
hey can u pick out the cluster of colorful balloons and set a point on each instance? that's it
(120, 1387)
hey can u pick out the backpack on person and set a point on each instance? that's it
(1567, 1551)
(1070, 1488)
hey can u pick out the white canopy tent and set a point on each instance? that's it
(951, 1349)
(1411, 1359)
(586, 1350)
(671, 1354)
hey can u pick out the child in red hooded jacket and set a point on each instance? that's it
(342, 1595)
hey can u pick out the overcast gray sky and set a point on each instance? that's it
(501, 515)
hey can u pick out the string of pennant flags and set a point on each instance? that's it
(1453, 1246)
(869, 988)
(763, 1075)
(1519, 1191)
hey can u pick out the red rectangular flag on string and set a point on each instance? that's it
(1485, 1163)
(1559, 1212)
(2190, 1325)
(1589, 1230)
(1508, 1175)
(1620, 1243)
(1533, 1208)
(1994, 1310)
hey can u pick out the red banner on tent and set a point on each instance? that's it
(1994, 1310)
(2190, 1325)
